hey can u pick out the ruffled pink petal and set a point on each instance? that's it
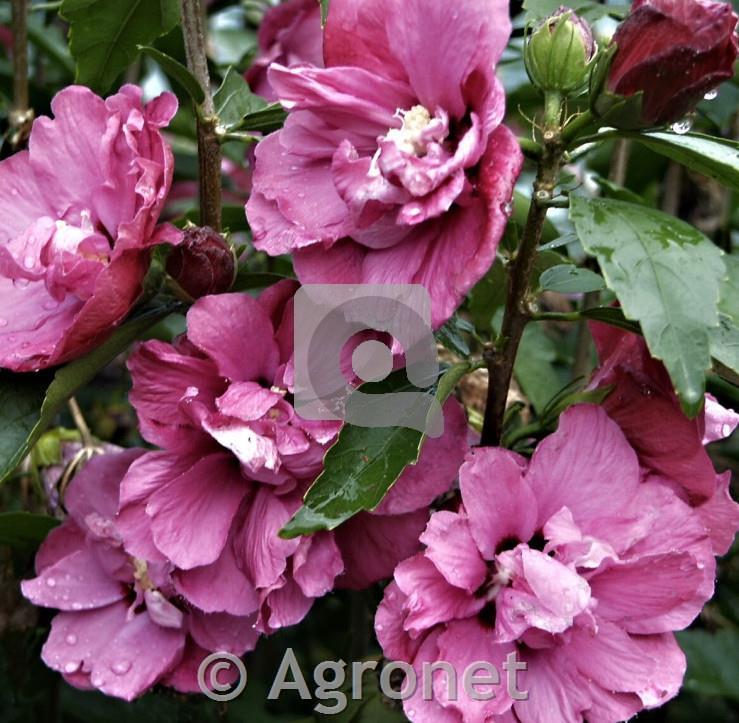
(391, 538)
(599, 483)
(316, 564)
(261, 552)
(720, 515)
(220, 631)
(225, 327)
(452, 549)
(430, 598)
(497, 474)
(218, 587)
(436, 469)
(191, 515)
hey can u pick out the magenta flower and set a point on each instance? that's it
(78, 215)
(122, 626)
(569, 560)
(289, 34)
(393, 166)
(237, 460)
(668, 444)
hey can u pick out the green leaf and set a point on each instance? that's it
(611, 315)
(363, 464)
(714, 157)
(713, 662)
(535, 368)
(729, 302)
(487, 296)
(324, 12)
(666, 275)
(27, 406)
(268, 119)
(250, 280)
(724, 343)
(451, 336)
(25, 529)
(175, 70)
(569, 279)
(104, 34)
(234, 100)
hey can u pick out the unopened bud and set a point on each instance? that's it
(559, 53)
(203, 263)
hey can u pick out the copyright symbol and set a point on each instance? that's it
(213, 665)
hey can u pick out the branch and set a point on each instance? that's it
(209, 148)
(501, 357)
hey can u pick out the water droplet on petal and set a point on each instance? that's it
(726, 430)
(51, 582)
(121, 667)
(72, 666)
(711, 95)
(29, 262)
(3, 322)
(379, 627)
(71, 639)
(76, 606)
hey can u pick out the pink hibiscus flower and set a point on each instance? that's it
(78, 215)
(289, 34)
(669, 444)
(237, 460)
(570, 560)
(393, 166)
(122, 626)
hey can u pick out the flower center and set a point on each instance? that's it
(409, 137)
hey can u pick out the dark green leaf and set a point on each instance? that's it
(666, 275)
(104, 34)
(28, 407)
(250, 280)
(611, 315)
(451, 336)
(569, 279)
(487, 297)
(234, 100)
(535, 368)
(267, 120)
(362, 466)
(176, 71)
(25, 529)
(714, 157)
(713, 662)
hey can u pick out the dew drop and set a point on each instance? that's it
(121, 667)
(51, 582)
(72, 666)
(683, 126)
(3, 322)
(29, 262)
(76, 606)
(506, 208)
(726, 430)
(711, 95)
(97, 680)
(379, 627)
(71, 639)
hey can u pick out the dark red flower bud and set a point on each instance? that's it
(203, 263)
(673, 52)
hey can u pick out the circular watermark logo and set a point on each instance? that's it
(212, 666)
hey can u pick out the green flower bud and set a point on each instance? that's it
(559, 53)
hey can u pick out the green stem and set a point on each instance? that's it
(209, 147)
(573, 131)
(21, 117)
(531, 149)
